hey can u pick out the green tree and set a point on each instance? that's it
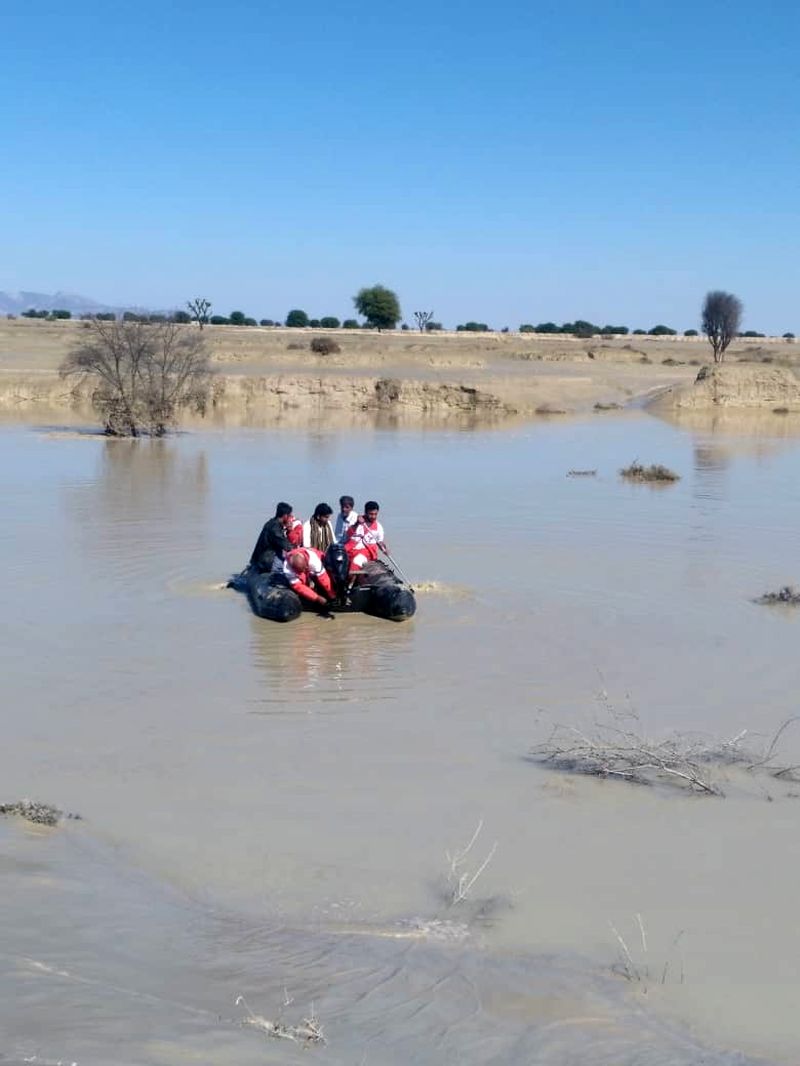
(548, 327)
(662, 331)
(314, 323)
(350, 323)
(236, 318)
(219, 320)
(690, 333)
(297, 319)
(329, 322)
(61, 314)
(183, 318)
(266, 322)
(379, 306)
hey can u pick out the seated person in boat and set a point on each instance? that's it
(303, 571)
(365, 538)
(295, 532)
(346, 518)
(318, 531)
(274, 540)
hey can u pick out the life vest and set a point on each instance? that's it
(294, 534)
(363, 539)
(316, 573)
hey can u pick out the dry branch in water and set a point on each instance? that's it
(655, 472)
(581, 473)
(308, 1031)
(788, 595)
(461, 881)
(641, 972)
(40, 813)
(679, 760)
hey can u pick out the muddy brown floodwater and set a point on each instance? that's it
(267, 808)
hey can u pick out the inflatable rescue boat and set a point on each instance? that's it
(376, 590)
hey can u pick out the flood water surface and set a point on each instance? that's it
(272, 805)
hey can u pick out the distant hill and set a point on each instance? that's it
(14, 303)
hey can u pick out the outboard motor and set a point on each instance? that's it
(338, 565)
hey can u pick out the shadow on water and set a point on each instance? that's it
(101, 965)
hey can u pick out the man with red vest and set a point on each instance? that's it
(302, 569)
(365, 538)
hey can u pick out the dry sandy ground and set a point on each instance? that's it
(262, 373)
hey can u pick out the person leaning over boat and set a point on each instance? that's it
(365, 538)
(345, 519)
(318, 531)
(274, 540)
(302, 570)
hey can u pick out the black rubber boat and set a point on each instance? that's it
(376, 590)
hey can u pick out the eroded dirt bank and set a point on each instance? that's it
(263, 373)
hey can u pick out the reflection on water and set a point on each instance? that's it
(293, 774)
(345, 659)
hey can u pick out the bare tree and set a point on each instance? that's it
(722, 316)
(199, 310)
(423, 318)
(142, 374)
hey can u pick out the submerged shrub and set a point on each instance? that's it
(142, 374)
(656, 472)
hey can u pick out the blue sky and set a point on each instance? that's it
(508, 162)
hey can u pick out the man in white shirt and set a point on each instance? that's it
(346, 518)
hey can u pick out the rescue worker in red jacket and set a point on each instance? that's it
(305, 574)
(365, 538)
(294, 532)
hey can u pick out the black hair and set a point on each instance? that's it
(322, 510)
(283, 509)
(371, 505)
(346, 499)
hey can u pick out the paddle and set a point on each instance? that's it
(397, 569)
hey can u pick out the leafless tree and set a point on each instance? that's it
(142, 374)
(722, 315)
(423, 318)
(199, 310)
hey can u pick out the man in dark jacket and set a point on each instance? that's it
(273, 540)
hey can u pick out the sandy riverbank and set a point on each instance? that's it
(263, 373)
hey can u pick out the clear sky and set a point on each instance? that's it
(510, 162)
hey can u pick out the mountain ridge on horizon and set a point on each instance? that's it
(14, 303)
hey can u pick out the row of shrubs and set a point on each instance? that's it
(300, 320)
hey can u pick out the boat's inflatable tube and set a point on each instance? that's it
(376, 590)
(269, 595)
